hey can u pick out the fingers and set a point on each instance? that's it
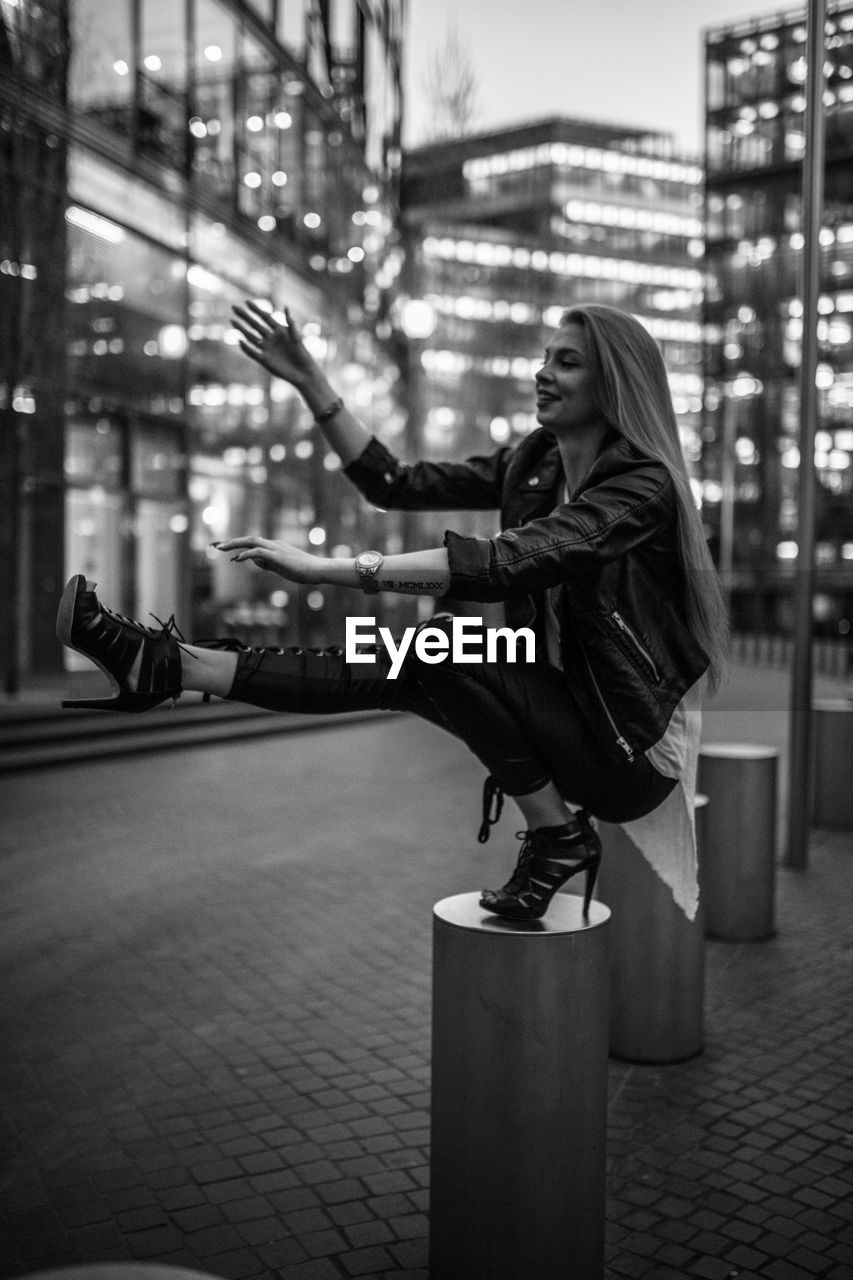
(260, 312)
(275, 557)
(259, 551)
(232, 544)
(256, 324)
(246, 540)
(254, 353)
(292, 325)
(250, 326)
(254, 555)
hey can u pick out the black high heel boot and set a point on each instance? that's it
(549, 857)
(113, 642)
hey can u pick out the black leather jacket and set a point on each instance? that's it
(624, 640)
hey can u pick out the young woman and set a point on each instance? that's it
(601, 553)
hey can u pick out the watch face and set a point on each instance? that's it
(369, 560)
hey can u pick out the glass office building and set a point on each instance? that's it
(506, 229)
(756, 74)
(162, 160)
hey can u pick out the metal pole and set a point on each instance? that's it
(12, 676)
(519, 1093)
(796, 855)
(727, 507)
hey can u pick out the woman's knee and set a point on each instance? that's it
(431, 653)
(450, 641)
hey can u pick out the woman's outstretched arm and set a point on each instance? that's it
(409, 572)
(279, 349)
(474, 484)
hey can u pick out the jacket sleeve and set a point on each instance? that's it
(605, 522)
(473, 485)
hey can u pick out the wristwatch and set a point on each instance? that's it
(368, 565)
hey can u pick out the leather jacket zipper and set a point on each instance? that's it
(631, 635)
(621, 741)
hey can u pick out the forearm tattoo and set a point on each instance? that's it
(425, 588)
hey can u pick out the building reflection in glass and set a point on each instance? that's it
(209, 151)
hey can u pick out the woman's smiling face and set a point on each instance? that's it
(564, 387)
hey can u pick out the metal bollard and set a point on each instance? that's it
(519, 1093)
(657, 957)
(738, 870)
(832, 793)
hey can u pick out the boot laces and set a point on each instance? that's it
(168, 628)
(533, 842)
(525, 856)
(171, 628)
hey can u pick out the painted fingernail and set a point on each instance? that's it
(214, 544)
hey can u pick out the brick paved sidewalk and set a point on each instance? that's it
(216, 1024)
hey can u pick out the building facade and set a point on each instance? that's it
(507, 229)
(756, 72)
(161, 160)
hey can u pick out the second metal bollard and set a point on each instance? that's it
(519, 1093)
(657, 957)
(738, 870)
(832, 722)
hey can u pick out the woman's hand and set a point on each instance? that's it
(288, 562)
(278, 348)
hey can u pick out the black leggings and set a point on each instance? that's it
(520, 719)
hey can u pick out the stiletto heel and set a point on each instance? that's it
(547, 860)
(113, 642)
(594, 862)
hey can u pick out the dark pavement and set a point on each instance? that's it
(216, 1017)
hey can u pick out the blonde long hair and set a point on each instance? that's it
(632, 394)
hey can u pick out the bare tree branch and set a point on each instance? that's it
(450, 86)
